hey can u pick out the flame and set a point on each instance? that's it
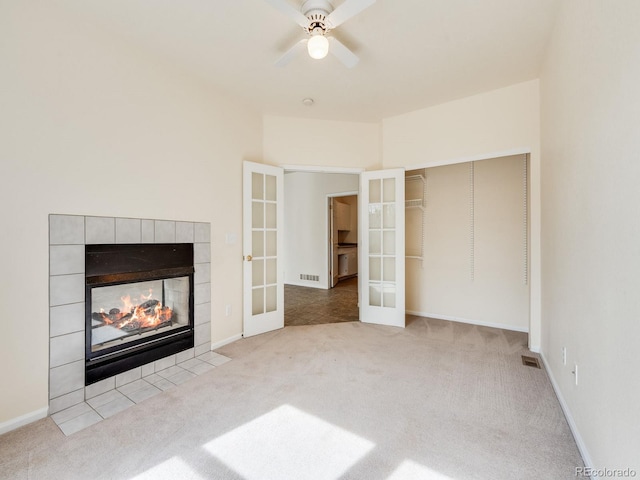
(138, 313)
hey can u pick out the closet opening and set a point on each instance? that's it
(467, 242)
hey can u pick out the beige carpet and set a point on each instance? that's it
(437, 400)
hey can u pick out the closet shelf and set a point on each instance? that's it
(414, 203)
(410, 178)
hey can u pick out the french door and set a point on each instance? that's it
(263, 273)
(381, 249)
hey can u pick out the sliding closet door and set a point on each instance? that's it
(501, 274)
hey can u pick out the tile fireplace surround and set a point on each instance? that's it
(68, 235)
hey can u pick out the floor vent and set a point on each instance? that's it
(313, 278)
(530, 361)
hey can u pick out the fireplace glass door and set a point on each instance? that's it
(128, 312)
(138, 305)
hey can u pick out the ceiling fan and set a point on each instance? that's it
(317, 18)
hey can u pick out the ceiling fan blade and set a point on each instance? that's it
(342, 53)
(291, 53)
(347, 10)
(290, 11)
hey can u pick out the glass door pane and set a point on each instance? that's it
(382, 242)
(263, 230)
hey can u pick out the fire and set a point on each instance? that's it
(140, 313)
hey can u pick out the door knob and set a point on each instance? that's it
(249, 258)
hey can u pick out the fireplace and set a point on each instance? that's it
(139, 305)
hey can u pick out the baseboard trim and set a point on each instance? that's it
(226, 341)
(470, 321)
(320, 285)
(582, 447)
(23, 420)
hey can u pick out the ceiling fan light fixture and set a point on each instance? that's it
(318, 46)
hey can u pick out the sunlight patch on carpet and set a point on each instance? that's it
(288, 443)
(410, 470)
(170, 470)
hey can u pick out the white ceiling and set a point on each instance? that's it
(413, 53)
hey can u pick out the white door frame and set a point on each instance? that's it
(328, 223)
(347, 170)
(321, 169)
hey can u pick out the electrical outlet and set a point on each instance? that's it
(564, 355)
(227, 310)
(575, 373)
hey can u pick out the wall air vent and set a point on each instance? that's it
(312, 278)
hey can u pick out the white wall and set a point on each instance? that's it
(479, 126)
(591, 223)
(316, 143)
(484, 284)
(89, 125)
(306, 223)
(305, 142)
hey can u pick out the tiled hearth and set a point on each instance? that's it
(68, 235)
(134, 387)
